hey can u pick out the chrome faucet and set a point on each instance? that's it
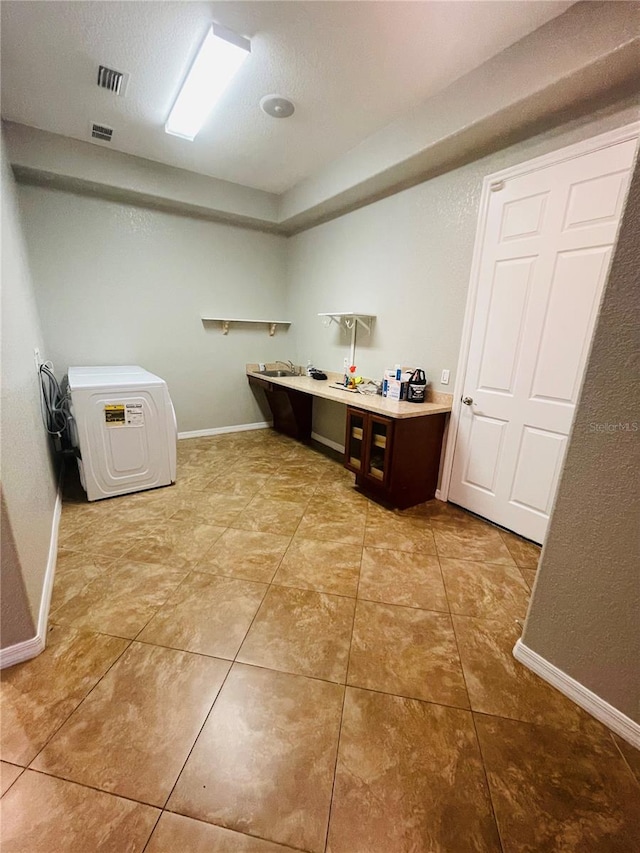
(289, 364)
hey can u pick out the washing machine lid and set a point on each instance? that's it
(120, 375)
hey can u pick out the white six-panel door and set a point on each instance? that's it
(545, 255)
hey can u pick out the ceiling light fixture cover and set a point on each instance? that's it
(220, 56)
(277, 106)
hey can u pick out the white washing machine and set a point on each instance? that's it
(125, 429)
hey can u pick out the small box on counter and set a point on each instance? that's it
(394, 384)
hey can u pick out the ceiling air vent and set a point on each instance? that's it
(99, 131)
(114, 81)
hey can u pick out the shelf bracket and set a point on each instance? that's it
(272, 329)
(349, 322)
(225, 327)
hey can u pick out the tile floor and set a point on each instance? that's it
(259, 660)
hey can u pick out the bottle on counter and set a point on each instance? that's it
(416, 387)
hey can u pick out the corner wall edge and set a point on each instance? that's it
(589, 701)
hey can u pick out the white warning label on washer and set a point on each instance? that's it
(134, 414)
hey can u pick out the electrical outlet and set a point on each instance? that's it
(445, 377)
(36, 358)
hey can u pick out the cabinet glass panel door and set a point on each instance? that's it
(355, 441)
(379, 449)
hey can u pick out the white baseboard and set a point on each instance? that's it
(27, 649)
(20, 652)
(440, 495)
(578, 693)
(327, 442)
(202, 433)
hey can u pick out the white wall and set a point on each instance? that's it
(49, 158)
(28, 479)
(118, 284)
(574, 59)
(406, 259)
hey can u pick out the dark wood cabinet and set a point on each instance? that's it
(368, 446)
(395, 459)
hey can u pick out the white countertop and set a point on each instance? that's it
(370, 403)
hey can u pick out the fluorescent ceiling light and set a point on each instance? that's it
(220, 56)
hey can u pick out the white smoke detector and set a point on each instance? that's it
(276, 106)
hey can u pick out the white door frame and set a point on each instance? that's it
(587, 146)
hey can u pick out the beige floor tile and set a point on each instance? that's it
(255, 465)
(179, 543)
(74, 570)
(193, 479)
(302, 632)
(445, 513)
(263, 768)
(133, 733)
(149, 505)
(73, 521)
(8, 775)
(270, 516)
(322, 527)
(243, 483)
(631, 755)
(468, 542)
(302, 471)
(109, 536)
(485, 589)
(301, 476)
(208, 615)
(408, 652)
(323, 566)
(556, 791)
(525, 553)
(336, 491)
(279, 490)
(41, 814)
(498, 684)
(529, 575)
(39, 695)
(246, 554)
(323, 507)
(210, 507)
(264, 761)
(402, 577)
(122, 601)
(178, 834)
(399, 534)
(405, 769)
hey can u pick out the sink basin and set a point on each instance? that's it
(277, 373)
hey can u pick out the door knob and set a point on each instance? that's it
(467, 401)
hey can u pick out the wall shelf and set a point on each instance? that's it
(350, 320)
(227, 321)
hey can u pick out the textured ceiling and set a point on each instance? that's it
(350, 68)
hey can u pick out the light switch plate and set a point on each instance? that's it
(445, 377)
